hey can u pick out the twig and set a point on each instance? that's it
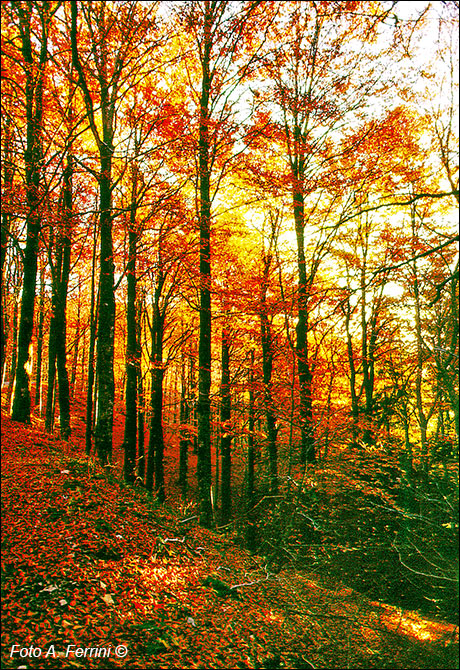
(256, 581)
(320, 616)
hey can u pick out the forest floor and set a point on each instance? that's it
(98, 575)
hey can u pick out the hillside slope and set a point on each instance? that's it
(89, 563)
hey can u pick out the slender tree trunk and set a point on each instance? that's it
(155, 464)
(14, 348)
(141, 399)
(132, 360)
(140, 429)
(8, 174)
(307, 447)
(184, 432)
(41, 321)
(33, 161)
(250, 492)
(156, 431)
(106, 315)
(65, 242)
(51, 388)
(368, 376)
(50, 394)
(267, 368)
(422, 415)
(225, 419)
(351, 363)
(422, 419)
(92, 347)
(60, 269)
(103, 432)
(73, 376)
(156, 440)
(204, 347)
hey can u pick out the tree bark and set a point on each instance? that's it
(307, 446)
(34, 73)
(65, 242)
(140, 397)
(92, 348)
(226, 438)
(267, 369)
(155, 465)
(184, 432)
(106, 305)
(250, 491)
(60, 270)
(40, 325)
(132, 353)
(204, 347)
(106, 312)
(351, 363)
(73, 376)
(8, 174)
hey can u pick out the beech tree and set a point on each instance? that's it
(34, 64)
(266, 337)
(124, 29)
(8, 169)
(318, 85)
(60, 270)
(220, 30)
(226, 428)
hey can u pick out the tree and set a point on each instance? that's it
(8, 176)
(112, 38)
(318, 85)
(60, 270)
(34, 65)
(226, 38)
(132, 345)
(267, 350)
(225, 422)
(165, 276)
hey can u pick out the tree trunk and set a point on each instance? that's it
(184, 432)
(106, 305)
(155, 464)
(106, 315)
(351, 363)
(156, 442)
(226, 439)
(14, 349)
(73, 376)
(250, 491)
(267, 369)
(140, 397)
(132, 360)
(368, 381)
(307, 447)
(204, 347)
(8, 174)
(41, 321)
(92, 347)
(65, 242)
(51, 390)
(33, 160)
(60, 270)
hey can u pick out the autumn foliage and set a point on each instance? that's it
(229, 336)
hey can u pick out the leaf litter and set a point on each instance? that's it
(90, 562)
